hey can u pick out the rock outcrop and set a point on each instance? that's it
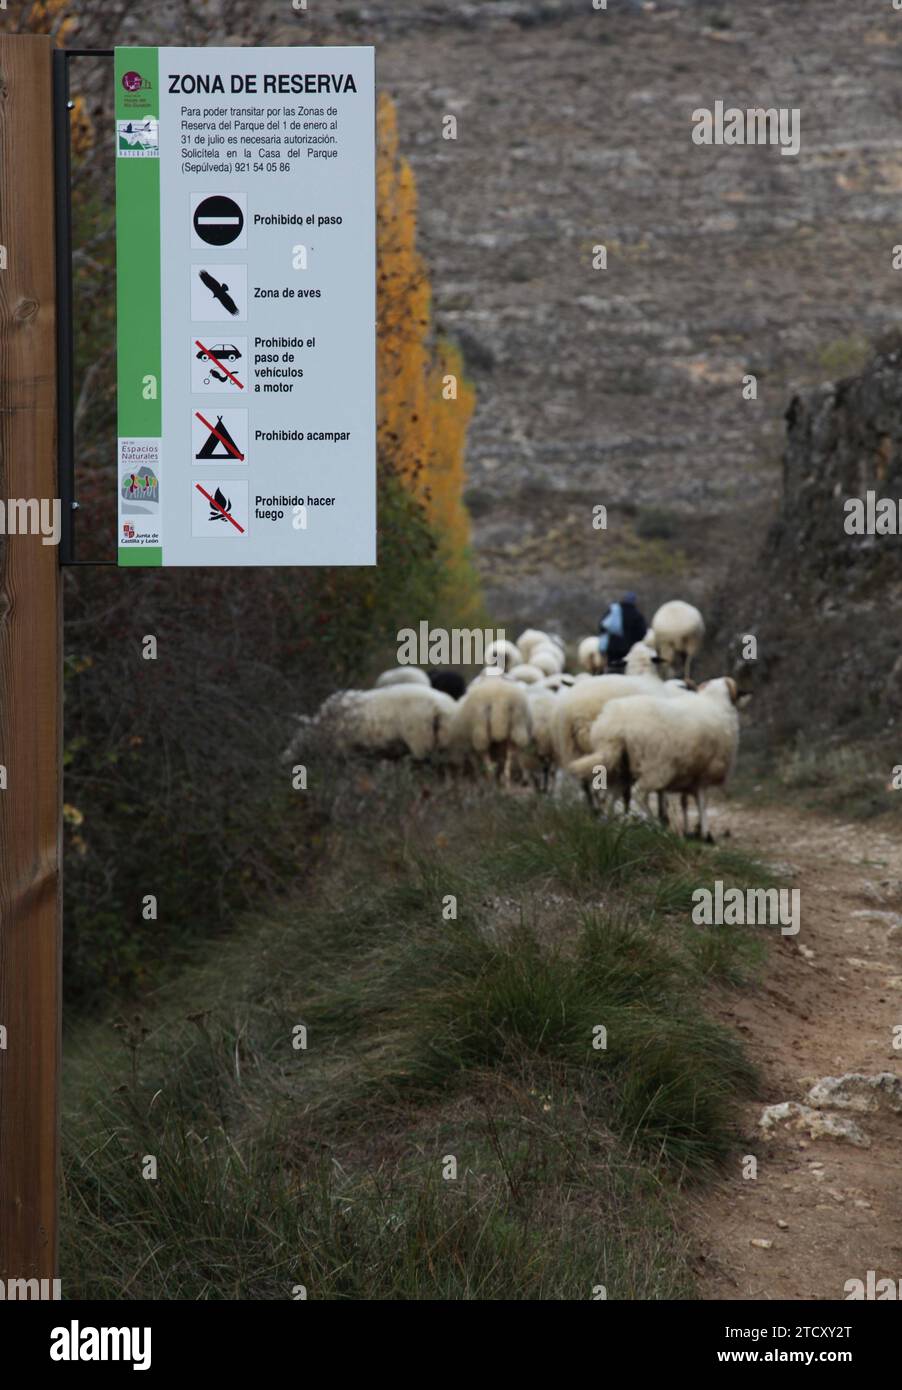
(823, 600)
(844, 440)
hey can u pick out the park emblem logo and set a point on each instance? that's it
(140, 492)
(134, 82)
(137, 99)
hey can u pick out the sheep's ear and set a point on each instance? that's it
(744, 699)
(731, 686)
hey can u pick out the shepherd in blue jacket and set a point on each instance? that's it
(621, 627)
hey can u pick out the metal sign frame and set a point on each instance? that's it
(65, 336)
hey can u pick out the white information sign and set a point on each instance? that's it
(246, 306)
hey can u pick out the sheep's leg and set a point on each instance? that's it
(624, 777)
(663, 817)
(506, 766)
(703, 832)
(684, 802)
(686, 665)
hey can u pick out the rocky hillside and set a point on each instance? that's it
(823, 599)
(622, 386)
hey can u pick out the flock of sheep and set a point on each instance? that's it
(525, 718)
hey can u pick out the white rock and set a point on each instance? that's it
(855, 1091)
(817, 1124)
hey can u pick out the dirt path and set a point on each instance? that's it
(814, 1015)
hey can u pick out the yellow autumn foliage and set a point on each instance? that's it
(51, 17)
(424, 402)
(54, 17)
(82, 127)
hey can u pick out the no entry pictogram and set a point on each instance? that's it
(218, 220)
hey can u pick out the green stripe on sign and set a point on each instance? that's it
(138, 276)
(140, 555)
(138, 254)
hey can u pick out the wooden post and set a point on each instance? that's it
(30, 675)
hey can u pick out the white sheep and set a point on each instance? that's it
(503, 656)
(526, 674)
(669, 745)
(579, 707)
(642, 660)
(492, 721)
(390, 722)
(549, 659)
(530, 639)
(558, 681)
(679, 630)
(402, 675)
(537, 759)
(589, 656)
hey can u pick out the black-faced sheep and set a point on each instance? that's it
(449, 683)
